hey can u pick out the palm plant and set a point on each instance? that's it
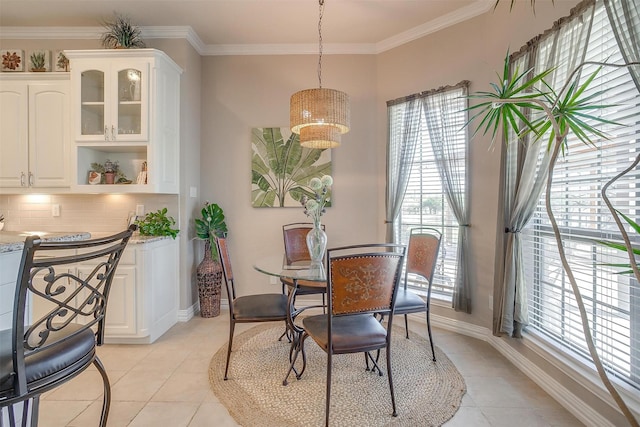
(121, 33)
(565, 111)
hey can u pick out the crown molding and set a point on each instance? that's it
(477, 8)
(289, 49)
(186, 32)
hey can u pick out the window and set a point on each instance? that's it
(425, 201)
(612, 300)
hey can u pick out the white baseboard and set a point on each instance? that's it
(188, 313)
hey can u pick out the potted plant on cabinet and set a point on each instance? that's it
(157, 224)
(209, 271)
(122, 34)
(562, 112)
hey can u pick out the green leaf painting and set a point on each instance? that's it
(281, 168)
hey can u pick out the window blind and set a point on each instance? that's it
(612, 299)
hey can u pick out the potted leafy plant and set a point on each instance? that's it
(209, 271)
(157, 224)
(211, 225)
(122, 34)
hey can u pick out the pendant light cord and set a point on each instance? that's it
(320, 43)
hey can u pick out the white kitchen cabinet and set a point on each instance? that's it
(121, 319)
(126, 108)
(34, 131)
(157, 268)
(143, 301)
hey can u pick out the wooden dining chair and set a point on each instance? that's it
(422, 256)
(363, 281)
(295, 250)
(43, 351)
(254, 308)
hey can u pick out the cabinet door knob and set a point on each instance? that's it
(30, 179)
(106, 135)
(22, 183)
(113, 133)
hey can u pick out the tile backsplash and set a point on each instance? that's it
(79, 212)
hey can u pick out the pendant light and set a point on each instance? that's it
(320, 115)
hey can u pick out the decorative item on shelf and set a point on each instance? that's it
(107, 173)
(314, 208)
(94, 177)
(157, 224)
(61, 61)
(12, 60)
(320, 115)
(209, 271)
(39, 61)
(142, 176)
(110, 169)
(121, 34)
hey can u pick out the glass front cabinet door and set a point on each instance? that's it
(114, 101)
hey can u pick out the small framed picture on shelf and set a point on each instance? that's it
(60, 61)
(39, 60)
(12, 60)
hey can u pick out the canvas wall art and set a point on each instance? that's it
(281, 168)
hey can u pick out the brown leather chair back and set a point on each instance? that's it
(295, 241)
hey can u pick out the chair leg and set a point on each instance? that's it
(390, 376)
(328, 398)
(106, 400)
(232, 326)
(406, 325)
(35, 411)
(430, 337)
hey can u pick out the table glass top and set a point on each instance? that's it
(276, 266)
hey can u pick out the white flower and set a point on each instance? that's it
(315, 184)
(314, 207)
(311, 205)
(326, 181)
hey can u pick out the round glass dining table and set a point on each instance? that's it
(293, 275)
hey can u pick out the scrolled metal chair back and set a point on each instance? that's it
(65, 294)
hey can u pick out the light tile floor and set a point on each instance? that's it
(166, 384)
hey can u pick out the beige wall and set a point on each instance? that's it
(241, 92)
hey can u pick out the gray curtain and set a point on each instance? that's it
(527, 164)
(452, 169)
(400, 152)
(624, 16)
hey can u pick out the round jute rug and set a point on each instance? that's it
(427, 393)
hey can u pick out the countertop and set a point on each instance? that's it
(14, 240)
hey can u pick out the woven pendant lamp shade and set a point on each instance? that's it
(320, 116)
